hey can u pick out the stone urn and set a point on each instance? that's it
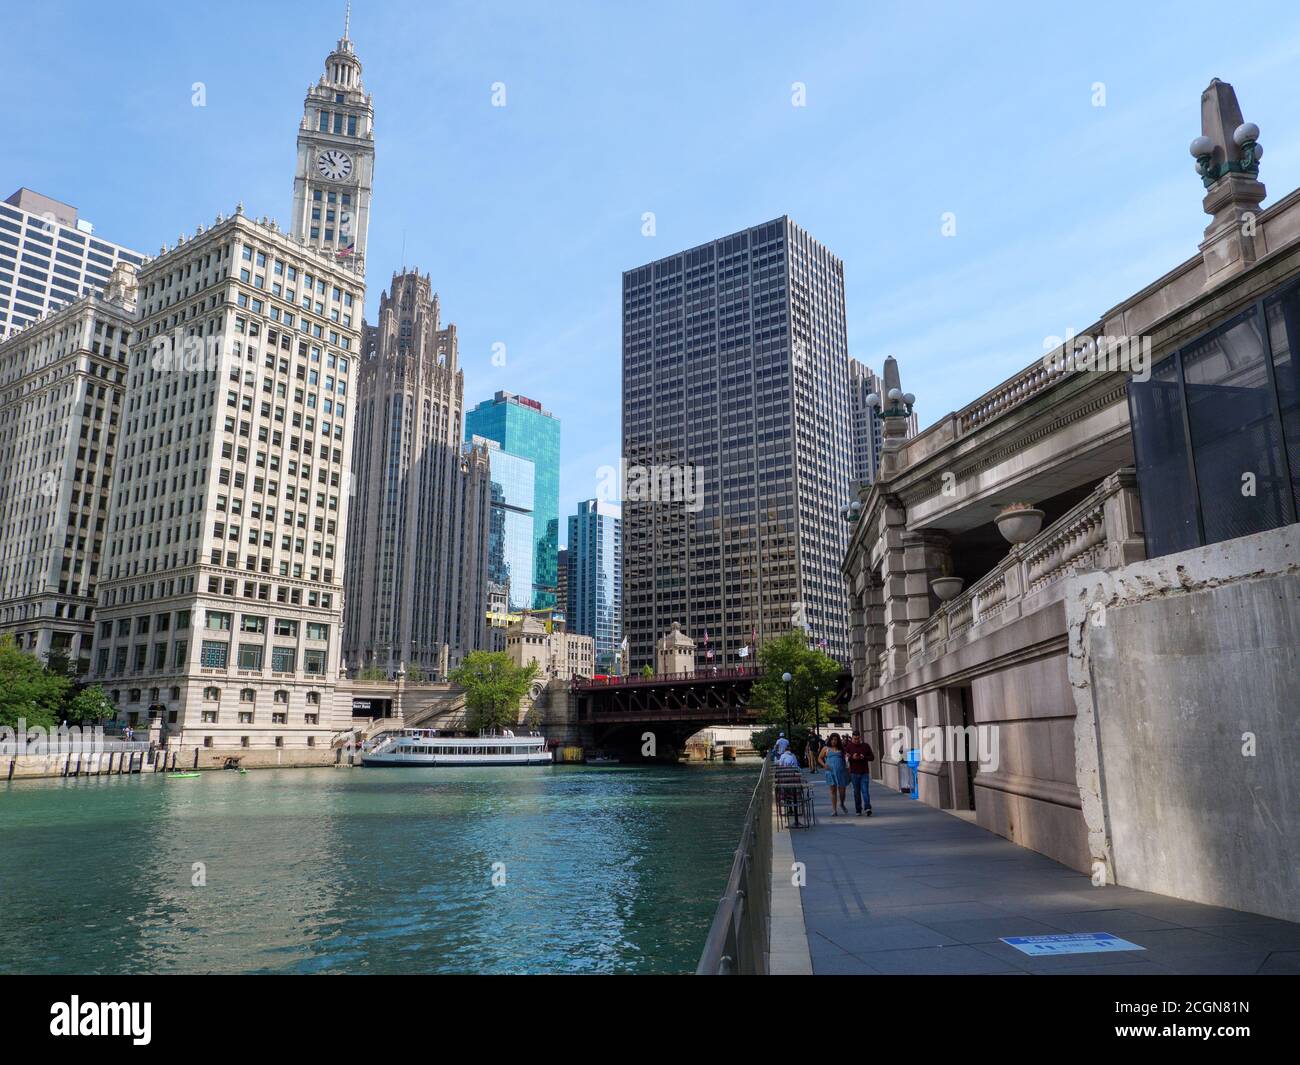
(1019, 523)
(947, 587)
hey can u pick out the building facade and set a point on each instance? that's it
(336, 162)
(512, 544)
(867, 422)
(525, 433)
(736, 443)
(61, 390)
(418, 540)
(562, 580)
(48, 258)
(221, 591)
(558, 654)
(1077, 597)
(595, 578)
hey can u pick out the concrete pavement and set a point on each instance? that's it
(917, 890)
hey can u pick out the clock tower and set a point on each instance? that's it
(336, 160)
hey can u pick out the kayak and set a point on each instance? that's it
(181, 776)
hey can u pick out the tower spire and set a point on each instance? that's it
(347, 20)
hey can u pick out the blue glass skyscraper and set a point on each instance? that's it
(522, 428)
(596, 577)
(511, 547)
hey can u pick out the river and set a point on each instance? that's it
(562, 869)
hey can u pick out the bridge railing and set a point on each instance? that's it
(737, 944)
(693, 677)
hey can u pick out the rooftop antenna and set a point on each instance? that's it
(347, 20)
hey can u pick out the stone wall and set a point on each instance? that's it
(1186, 675)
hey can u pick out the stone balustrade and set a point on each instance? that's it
(1103, 531)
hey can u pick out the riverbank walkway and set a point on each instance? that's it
(914, 889)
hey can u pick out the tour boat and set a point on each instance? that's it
(425, 747)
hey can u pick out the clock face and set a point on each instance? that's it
(334, 164)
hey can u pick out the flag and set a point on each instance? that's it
(708, 653)
(743, 652)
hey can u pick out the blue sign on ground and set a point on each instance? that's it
(1074, 943)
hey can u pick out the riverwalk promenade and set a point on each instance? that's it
(913, 889)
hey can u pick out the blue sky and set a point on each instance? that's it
(526, 216)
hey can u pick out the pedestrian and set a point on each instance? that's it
(782, 745)
(860, 756)
(816, 742)
(837, 772)
(810, 753)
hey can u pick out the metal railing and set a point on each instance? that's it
(737, 943)
(694, 676)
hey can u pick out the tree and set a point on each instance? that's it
(494, 687)
(372, 673)
(647, 670)
(27, 689)
(813, 676)
(416, 675)
(91, 706)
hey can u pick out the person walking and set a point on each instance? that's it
(782, 745)
(815, 748)
(833, 761)
(860, 756)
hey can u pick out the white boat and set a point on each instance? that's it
(425, 747)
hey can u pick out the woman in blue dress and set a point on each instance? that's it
(837, 772)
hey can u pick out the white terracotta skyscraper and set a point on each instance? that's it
(336, 161)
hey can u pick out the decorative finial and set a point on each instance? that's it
(1227, 157)
(1227, 145)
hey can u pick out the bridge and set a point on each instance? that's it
(615, 712)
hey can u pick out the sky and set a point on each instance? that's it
(1052, 138)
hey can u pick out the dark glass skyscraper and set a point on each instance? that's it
(737, 445)
(522, 428)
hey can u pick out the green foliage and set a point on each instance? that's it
(812, 686)
(647, 671)
(28, 689)
(90, 706)
(416, 675)
(372, 673)
(494, 686)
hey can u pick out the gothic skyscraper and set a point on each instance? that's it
(416, 568)
(336, 161)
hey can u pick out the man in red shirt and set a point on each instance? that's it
(859, 756)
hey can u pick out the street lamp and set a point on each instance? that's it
(789, 728)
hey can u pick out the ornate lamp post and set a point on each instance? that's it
(789, 728)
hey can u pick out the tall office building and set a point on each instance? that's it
(336, 161)
(595, 579)
(562, 580)
(736, 444)
(867, 423)
(524, 429)
(417, 541)
(48, 258)
(221, 592)
(512, 540)
(61, 388)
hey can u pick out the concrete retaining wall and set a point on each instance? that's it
(1186, 672)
